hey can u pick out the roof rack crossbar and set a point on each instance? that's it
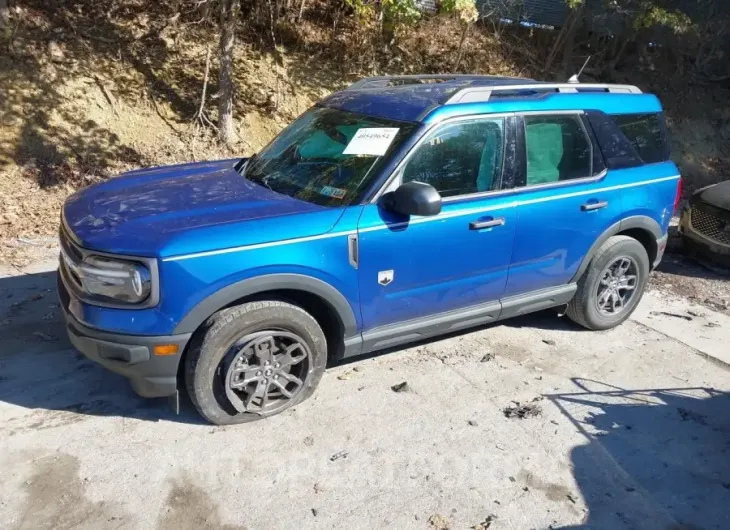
(382, 81)
(480, 94)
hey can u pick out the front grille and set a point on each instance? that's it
(709, 225)
(71, 259)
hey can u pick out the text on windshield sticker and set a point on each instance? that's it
(373, 141)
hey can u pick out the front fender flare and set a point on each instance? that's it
(638, 221)
(270, 282)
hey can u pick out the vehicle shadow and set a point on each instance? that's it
(655, 458)
(680, 260)
(547, 319)
(40, 370)
(680, 263)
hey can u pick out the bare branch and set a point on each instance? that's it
(199, 115)
(107, 95)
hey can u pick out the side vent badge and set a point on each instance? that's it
(385, 277)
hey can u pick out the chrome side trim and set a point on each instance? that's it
(420, 220)
(255, 246)
(480, 94)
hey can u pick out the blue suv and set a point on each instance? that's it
(398, 209)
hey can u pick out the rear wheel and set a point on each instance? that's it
(255, 360)
(612, 285)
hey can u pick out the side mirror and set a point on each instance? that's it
(413, 198)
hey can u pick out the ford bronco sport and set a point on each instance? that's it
(397, 209)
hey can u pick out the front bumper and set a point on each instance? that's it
(661, 247)
(129, 355)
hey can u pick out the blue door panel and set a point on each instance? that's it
(439, 264)
(554, 233)
(655, 194)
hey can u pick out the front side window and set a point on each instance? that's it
(460, 158)
(557, 149)
(327, 156)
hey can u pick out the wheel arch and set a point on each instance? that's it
(642, 228)
(316, 296)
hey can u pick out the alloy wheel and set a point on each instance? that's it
(617, 286)
(266, 370)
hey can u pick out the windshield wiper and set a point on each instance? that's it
(245, 163)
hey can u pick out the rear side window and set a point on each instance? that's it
(647, 134)
(557, 149)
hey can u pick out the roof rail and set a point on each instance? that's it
(385, 80)
(475, 94)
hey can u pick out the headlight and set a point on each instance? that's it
(121, 280)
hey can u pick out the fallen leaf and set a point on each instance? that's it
(439, 522)
(522, 411)
(486, 523)
(43, 336)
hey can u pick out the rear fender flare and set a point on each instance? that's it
(640, 221)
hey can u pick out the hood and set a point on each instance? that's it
(142, 212)
(717, 195)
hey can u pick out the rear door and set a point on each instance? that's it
(411, 268)
(564, 199)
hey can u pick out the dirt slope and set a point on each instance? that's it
(93, 91)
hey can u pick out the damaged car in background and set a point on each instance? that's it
(705, 224)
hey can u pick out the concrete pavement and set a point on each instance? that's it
(634, 432)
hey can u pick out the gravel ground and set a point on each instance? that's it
(529, 424)
(697, 281)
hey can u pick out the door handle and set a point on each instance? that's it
(591, 206)
(491, 223)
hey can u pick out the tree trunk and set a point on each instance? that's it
(558, 42)
(570, 41)
(4, 13)
(225, 76)
(459, 54)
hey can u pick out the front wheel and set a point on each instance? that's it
(255, 360)
(612, 285)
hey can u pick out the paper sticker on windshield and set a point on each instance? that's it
(371, 141)
(331, 191)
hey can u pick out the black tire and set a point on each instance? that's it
(583, 308)
(205, 363)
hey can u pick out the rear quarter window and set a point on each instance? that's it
(647, 134)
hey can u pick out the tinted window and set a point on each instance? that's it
(460, 158)
(616, 148)
(557, 148)
(647, 134)
(315, 159)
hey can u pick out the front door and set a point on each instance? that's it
(418, 267)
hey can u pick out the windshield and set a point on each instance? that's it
(327, 156)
